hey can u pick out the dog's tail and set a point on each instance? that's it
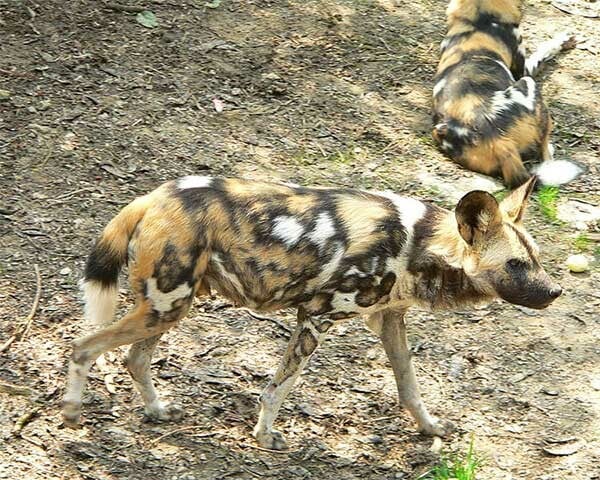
(548, 50)
(100, 280)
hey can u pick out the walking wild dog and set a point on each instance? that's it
(332, 253)
(488, 111)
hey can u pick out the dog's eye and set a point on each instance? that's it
(516, 264)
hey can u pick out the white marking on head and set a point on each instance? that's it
(194, 181)
(324, 229)
(437, 88)
(287, 229)
(163, 302)
(494, 24)
(461, 131)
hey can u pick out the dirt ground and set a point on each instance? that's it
(96, 109)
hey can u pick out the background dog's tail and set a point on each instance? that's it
(557, 172)
(100, 280)
(547, 50)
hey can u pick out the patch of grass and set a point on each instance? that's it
(582, 243)
(547, 197)
(456, 467)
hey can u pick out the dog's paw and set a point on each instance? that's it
(272, 440)
(437, 428)
(167, 412)
(569, 41)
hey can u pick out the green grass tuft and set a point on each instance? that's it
(582, 243)
(547, 197)
(456, 467)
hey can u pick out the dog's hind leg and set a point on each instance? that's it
(308, 334)
(547, 50)
(390, 327)
(138, 364)
(139, 324)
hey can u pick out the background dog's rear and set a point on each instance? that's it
(489, 114)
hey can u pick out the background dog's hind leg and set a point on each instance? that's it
(390, 327)
(138, 363)
(513, 171)
(547, 50)
(304, 341)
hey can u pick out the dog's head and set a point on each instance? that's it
(501, 255)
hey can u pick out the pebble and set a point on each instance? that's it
(578, 263)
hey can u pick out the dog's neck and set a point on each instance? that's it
(441, 264)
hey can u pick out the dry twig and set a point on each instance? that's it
(28, 321)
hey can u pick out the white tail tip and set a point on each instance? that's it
(100, 302)
(557, 172)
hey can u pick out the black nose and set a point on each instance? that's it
(555, 292)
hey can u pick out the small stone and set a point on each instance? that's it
(578, 263)
(65, 271)
(236, 91)
(375, 440)
(596, 383)
(4, 94)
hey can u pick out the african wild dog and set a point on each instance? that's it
(487, 109)
(332, 253)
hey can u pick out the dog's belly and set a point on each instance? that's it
(337, 294)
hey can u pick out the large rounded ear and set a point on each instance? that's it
(515, 204)
(476, 214)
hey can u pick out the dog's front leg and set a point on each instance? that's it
(306, 338)
(390, 327)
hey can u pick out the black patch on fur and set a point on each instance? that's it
(103, 265)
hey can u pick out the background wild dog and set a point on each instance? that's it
(332, 253)
(489, 114)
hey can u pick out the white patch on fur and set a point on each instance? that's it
(517, 33)
(501, 102)
(437, 88)
(287, 229)
(411, 210)
(100, 302)
(444, 44)
(461, 131)
(344, 302)
(545, 52)
(557, 172)
(194, 181)
(324, 229)
(446, 145)
(163, 302)
(506, 69)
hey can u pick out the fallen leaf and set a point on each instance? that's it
(563, 449)
(147, 19)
